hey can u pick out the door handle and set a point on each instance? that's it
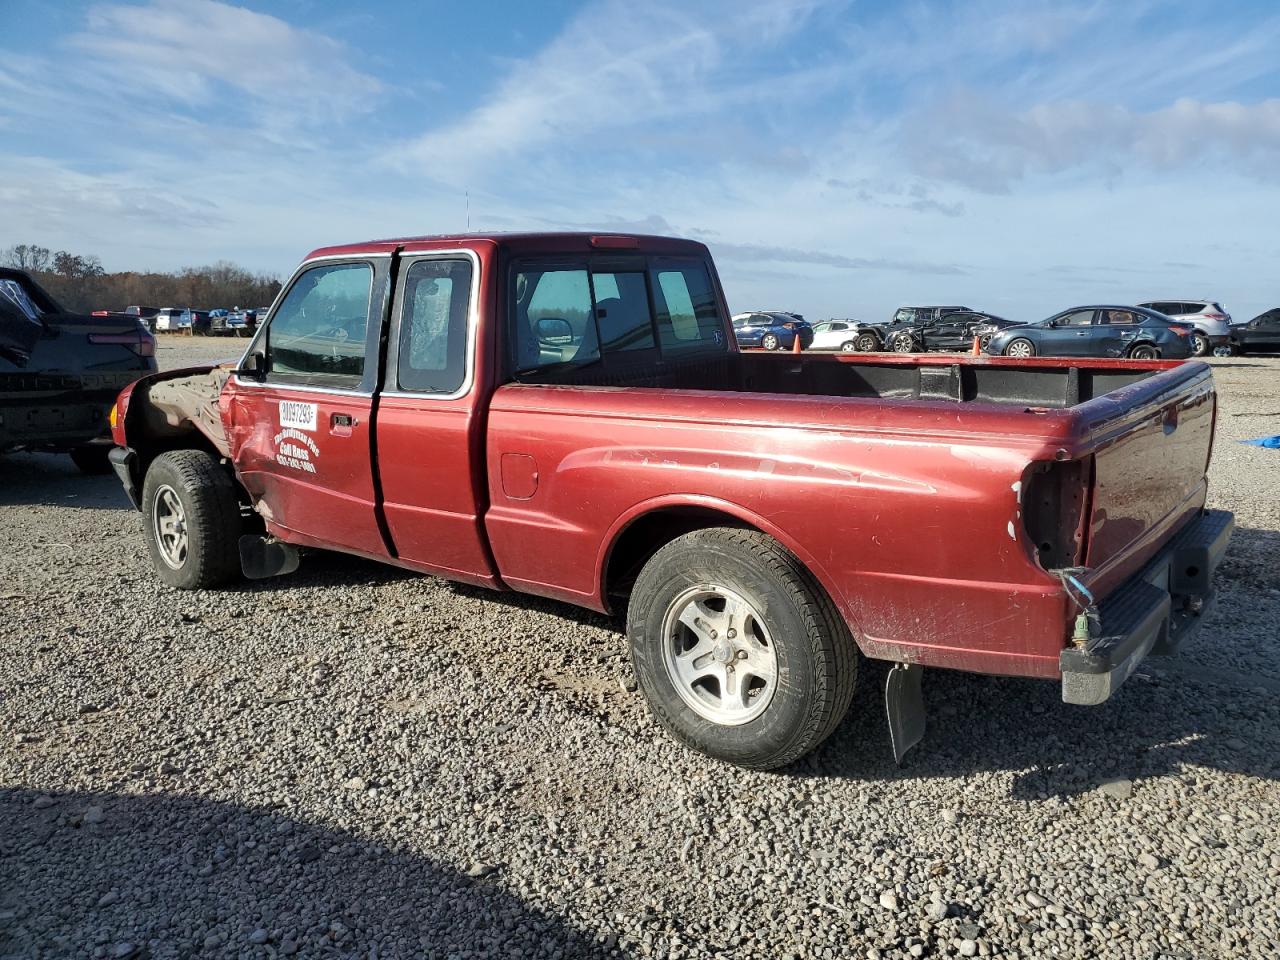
(1082, 333)
(340, 424)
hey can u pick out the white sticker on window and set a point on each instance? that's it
(299, 415)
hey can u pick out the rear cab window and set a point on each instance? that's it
(568, 313)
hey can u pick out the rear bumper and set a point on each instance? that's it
(1152, 613)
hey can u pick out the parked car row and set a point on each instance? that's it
(203, 323)
(1168, 329)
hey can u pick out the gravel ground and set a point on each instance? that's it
(352, 761)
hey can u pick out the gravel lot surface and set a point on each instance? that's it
(352, 761)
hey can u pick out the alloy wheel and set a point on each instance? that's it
(719, 655)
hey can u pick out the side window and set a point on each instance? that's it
(433, 326)
(1081, 318)
(839, 326)
(622, 311)
(553, 318)
(318, 333)
(1118, 317)
(687, 313)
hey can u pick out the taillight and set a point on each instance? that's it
(1216, 316)
(140, 341)
(1055, 507)
(1180, 331)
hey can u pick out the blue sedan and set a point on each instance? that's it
(1098, 331)
(771, 331)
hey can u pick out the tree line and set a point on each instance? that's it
(81, 285)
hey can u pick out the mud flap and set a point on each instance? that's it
(261, 558)
(904, 705)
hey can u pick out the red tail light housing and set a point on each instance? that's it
(1181, 331)
(140, 341)
(1216, 316)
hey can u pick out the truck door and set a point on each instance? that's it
(430, 430)
(300, 436)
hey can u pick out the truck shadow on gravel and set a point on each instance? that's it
(48, 479)
(1161, 723)
(177, 876)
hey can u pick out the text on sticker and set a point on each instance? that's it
(293, 413)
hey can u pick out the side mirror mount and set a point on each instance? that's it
(254, 367)
(1051, 323)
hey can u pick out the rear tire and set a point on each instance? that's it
(191, 520)
(1021, 347)
(1199, 344)
(770, 341)
(748, 602)
(1144, 351)
(92, 459)
(848, 347)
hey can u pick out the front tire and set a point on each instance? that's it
(739, 652)
(770, 341)
(904, 343)
(191, 520)
(1021, 347)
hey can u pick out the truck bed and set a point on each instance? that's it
(932, 495)
(1046, 382)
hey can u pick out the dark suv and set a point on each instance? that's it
(954, 330)
(883, 331)
(60, 372)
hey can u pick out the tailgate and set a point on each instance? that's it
(1149, 468)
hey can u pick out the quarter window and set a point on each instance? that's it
(686, 307)
(433, 326)
(318, 333)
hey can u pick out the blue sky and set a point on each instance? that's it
(840, 158)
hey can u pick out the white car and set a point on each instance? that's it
(170, 319)
(842, 335)
(1210, 322)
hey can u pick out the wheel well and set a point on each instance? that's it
(649, 534)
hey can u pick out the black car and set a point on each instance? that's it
(882, 331)
(954, 330)
(1097, 331)
(60, 372)
(1259, 335)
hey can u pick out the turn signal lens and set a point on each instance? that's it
(111, 417)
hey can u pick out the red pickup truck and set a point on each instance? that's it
(568, 415)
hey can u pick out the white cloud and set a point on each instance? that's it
(617, 66)
(191, 51)
(971, 141)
